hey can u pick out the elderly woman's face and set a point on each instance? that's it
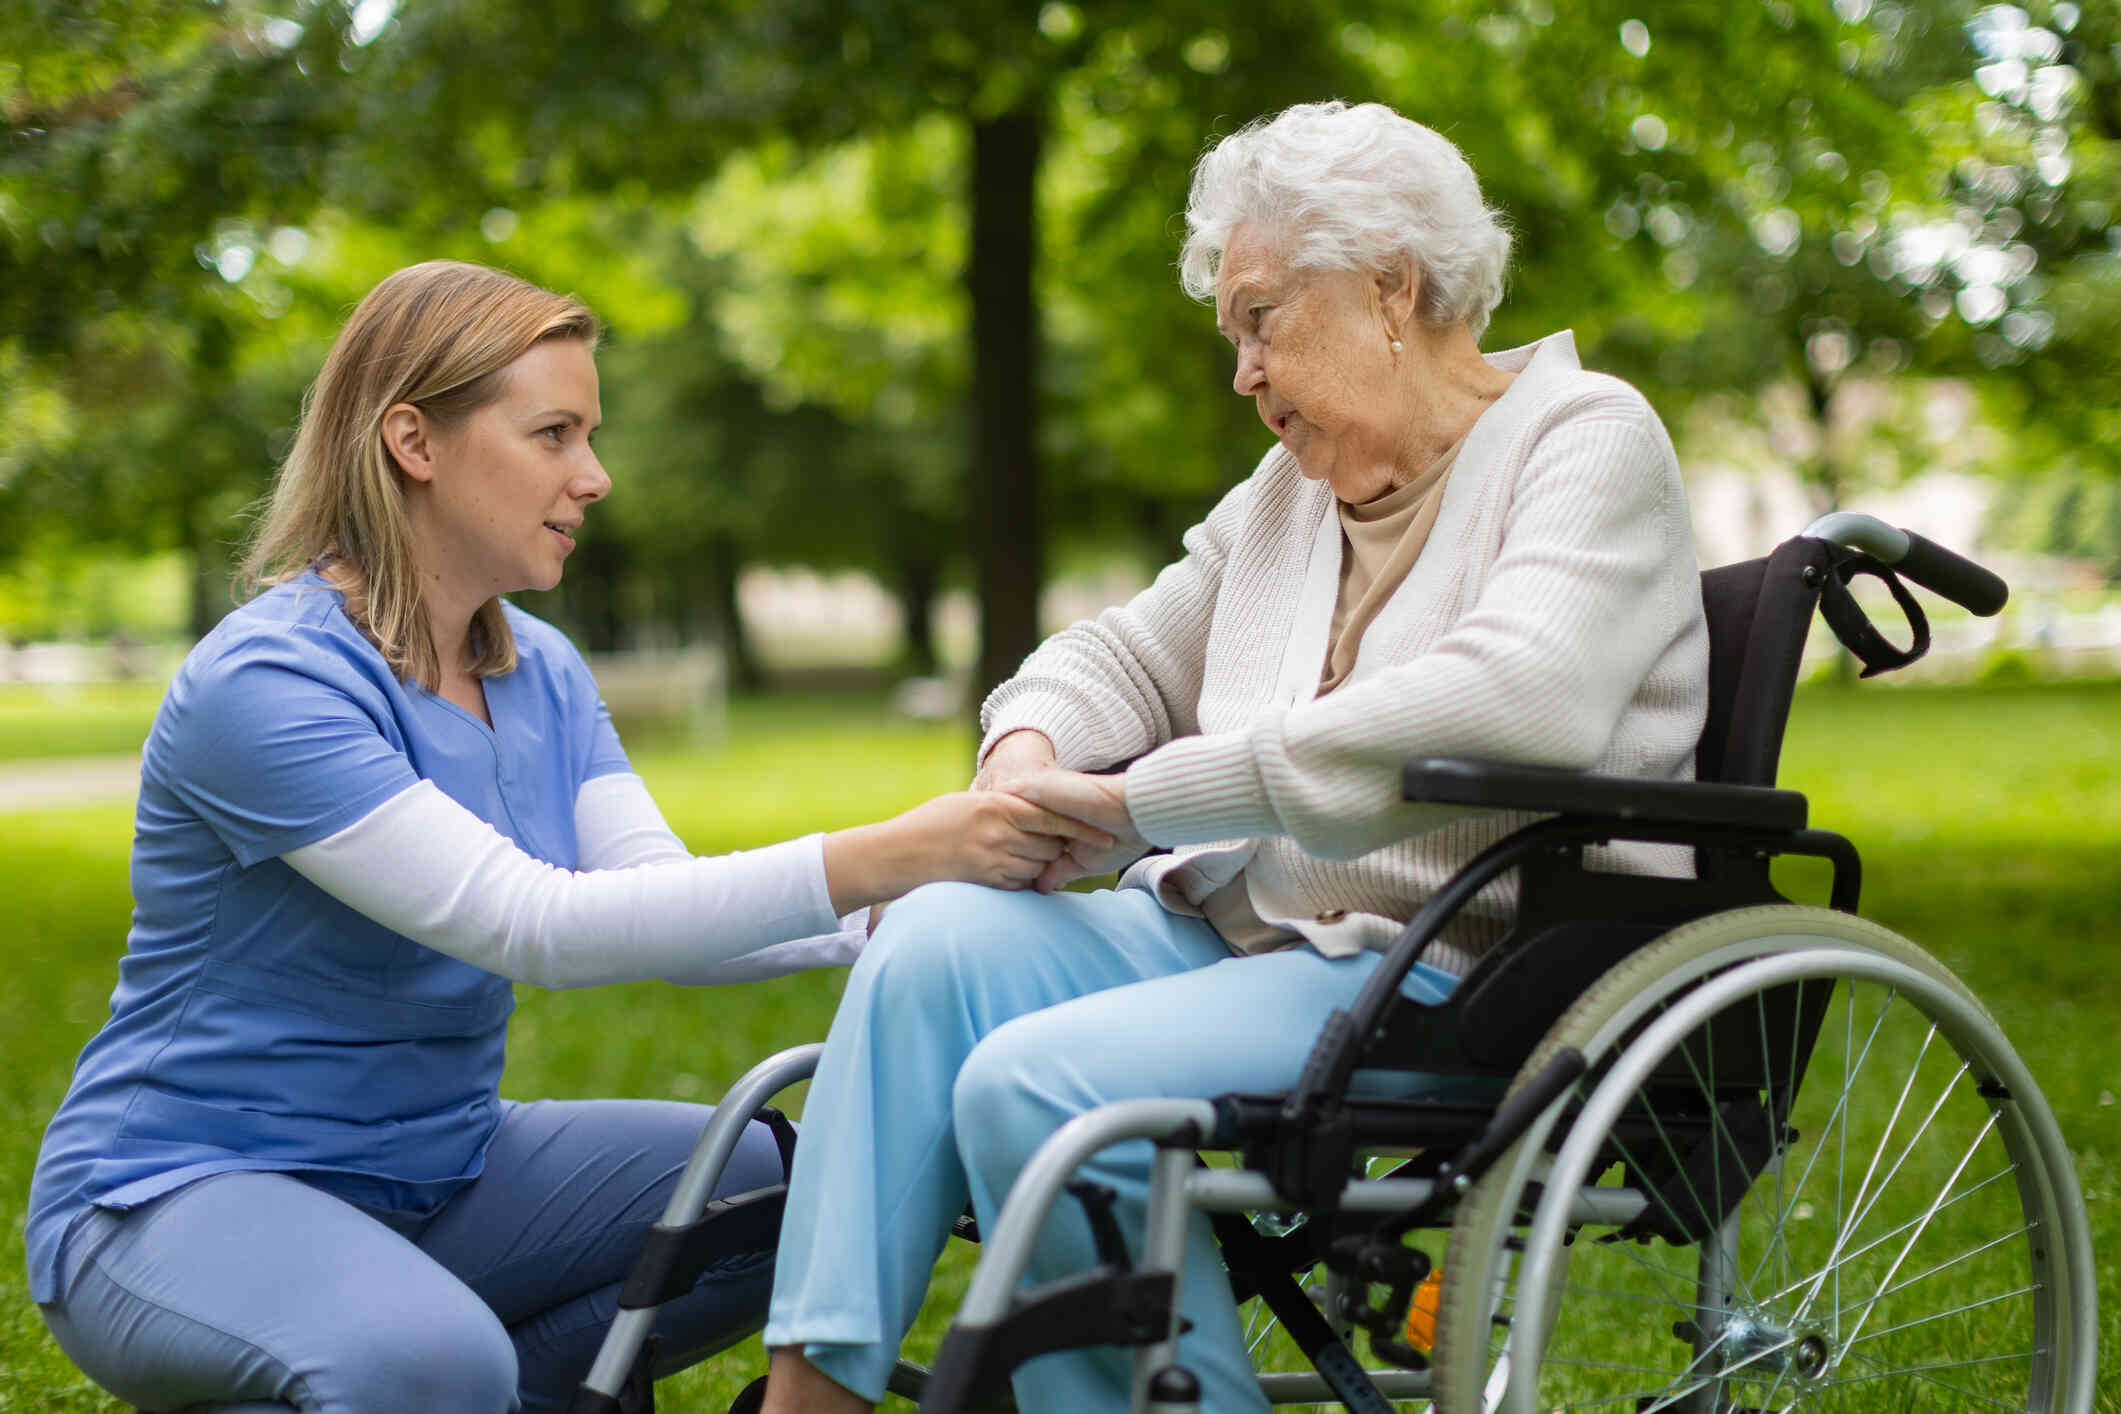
(1314, 353)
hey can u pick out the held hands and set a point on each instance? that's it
(1025, 823)
(978, 837)
(997, 838)
(1096, 801)
(1022, 763)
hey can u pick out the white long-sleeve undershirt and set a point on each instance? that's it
(641, 906)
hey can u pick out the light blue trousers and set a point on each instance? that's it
(974, 1026)
(255, 1291)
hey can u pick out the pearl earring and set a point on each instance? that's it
(1398, 347)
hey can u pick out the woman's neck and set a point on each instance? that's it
(449, 621)
(1449, 385)
(449, 618)
(449, 605)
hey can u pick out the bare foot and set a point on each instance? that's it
(795, 1386)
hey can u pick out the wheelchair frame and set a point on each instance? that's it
(1579, 1004)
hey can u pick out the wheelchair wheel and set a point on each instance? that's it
(1694, 1229)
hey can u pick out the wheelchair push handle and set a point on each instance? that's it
(1918, 558)
(1954, 576)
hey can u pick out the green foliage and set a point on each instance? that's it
(771, 205)
(70, 593)
(2068, 510)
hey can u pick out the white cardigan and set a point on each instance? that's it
(1554, 618)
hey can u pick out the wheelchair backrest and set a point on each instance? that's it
(1573, 924)
(1759, 612)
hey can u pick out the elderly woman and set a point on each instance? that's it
(1445, 552)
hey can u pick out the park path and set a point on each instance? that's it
(66, 781)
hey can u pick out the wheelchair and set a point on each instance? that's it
(1747, 1155)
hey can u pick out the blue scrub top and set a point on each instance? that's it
(259, 1023)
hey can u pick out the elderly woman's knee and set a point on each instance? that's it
(937, 937)
(1010, 1095)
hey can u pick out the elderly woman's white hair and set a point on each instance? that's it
(1362, 188)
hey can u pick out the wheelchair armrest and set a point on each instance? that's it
(1452, 780)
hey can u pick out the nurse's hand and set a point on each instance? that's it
(976, 837)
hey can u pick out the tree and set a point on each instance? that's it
(1656, 160)
(1961, 233)
(270, 116)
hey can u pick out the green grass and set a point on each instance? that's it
(87, 719)
(1990, 822)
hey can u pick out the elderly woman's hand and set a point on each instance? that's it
(1097, 801)
(1021, 753)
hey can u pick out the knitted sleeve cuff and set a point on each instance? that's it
(1063, 715)
(1200, 788)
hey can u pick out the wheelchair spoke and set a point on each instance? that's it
(1836, 1122)
(1869, 1201)
(1947, 1263)
(1916, 1236)
(1888, 1236)
(1925, 1374)
(1959, 1310)
(1915, 1069)
(1777, 1123)
(1612, 1295)
(1680, 1164)
(1916, 1138)
(1635, 1398)
(1678, 1279)
(1681, 1279)
(1717, 1131)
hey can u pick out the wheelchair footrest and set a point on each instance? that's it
(1103, 1306)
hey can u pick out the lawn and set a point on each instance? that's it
(1990, 822)
(86, 719)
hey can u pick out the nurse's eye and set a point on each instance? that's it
(557, 433)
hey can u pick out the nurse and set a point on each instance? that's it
(374, 798)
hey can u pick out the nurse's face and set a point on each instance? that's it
(503, 493)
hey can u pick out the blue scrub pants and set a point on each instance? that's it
(256, 1291)
(975, 1025)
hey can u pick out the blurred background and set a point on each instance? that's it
(899, 372)
(899, 376)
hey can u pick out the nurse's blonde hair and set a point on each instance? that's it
(439, 335)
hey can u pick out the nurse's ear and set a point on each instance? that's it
(408, 437)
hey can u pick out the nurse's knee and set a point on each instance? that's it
(458, 1359)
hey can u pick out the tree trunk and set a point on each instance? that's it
(724, 562)
(1826, 476)
(210, 578)
(919, 578)
(593, 578)
(1004, 491)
